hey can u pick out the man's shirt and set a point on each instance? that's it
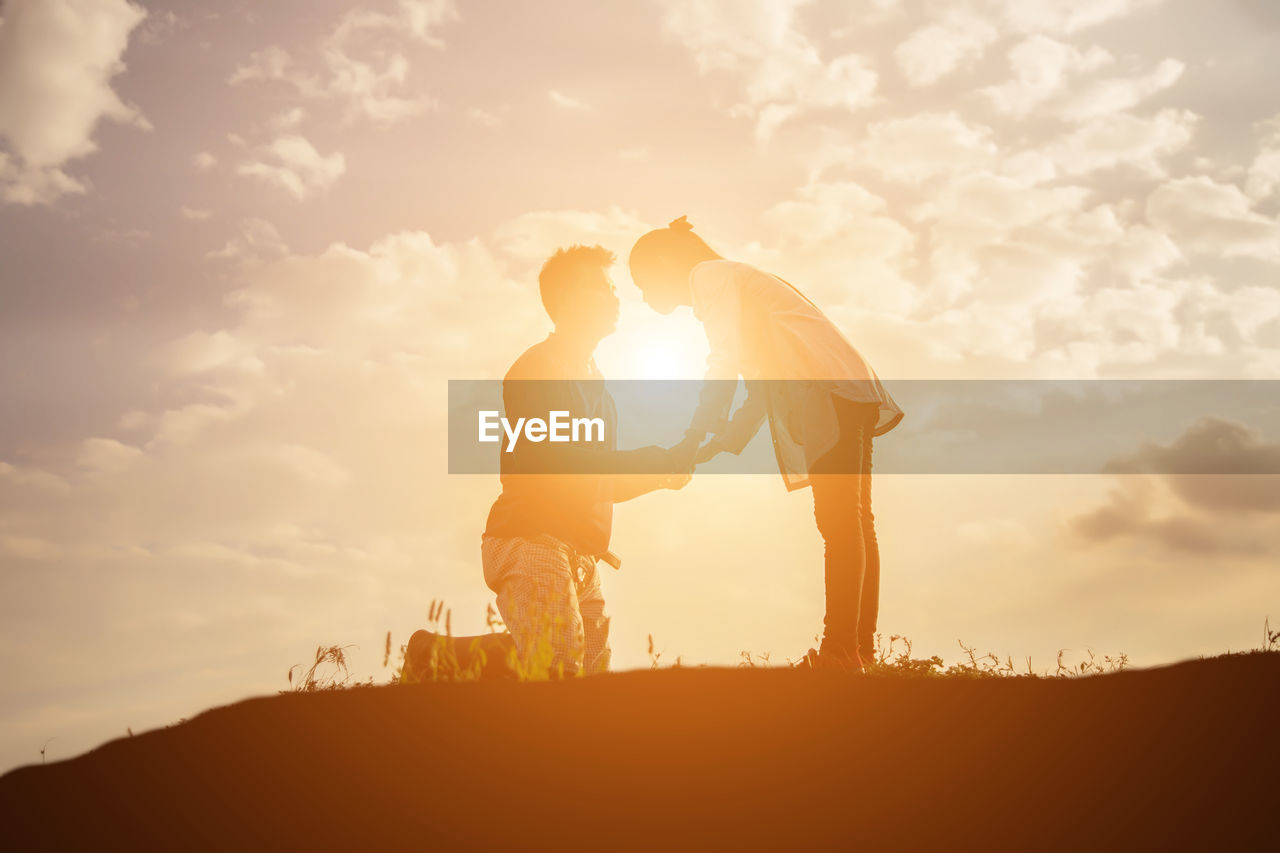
(761, 328)
(576, 508)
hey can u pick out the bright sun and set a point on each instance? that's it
(655, 348)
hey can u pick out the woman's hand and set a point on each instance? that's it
(709, 451)
(682, 455)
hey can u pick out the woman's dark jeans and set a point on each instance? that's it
(841, 482)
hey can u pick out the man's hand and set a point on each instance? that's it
(681, 456)
(676, 482)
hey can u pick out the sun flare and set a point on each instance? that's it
(663, 348)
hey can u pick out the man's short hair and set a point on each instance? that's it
(564, 272)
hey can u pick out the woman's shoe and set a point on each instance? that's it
(831, 661)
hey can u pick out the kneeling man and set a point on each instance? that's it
(552, 523)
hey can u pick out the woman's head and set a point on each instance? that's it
(661, 262)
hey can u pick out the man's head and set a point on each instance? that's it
(661, 262)
(577, 292)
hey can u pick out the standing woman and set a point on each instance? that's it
(823, 402)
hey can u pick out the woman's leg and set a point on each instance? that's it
(869, 610)
(837, 502)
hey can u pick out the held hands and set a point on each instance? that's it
(676, 465)
(710, 450)
(684, 457)
(675, 482)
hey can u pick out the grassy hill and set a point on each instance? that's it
(1178, 757)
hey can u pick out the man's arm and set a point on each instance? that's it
(526, 398)
(629, 486)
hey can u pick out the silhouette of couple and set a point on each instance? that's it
(547, 532)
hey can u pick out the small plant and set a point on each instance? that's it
(895, 658)
(890, 656)
(443, 659)
(1091, 666)
(328, 672)
(493, 621)
(1270, 639)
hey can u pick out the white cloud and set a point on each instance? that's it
(531, 237)
(133, 419)
(1124, 139)
(780, 71)
(420, 19)
(106, 455)
(309, 464)
(1214, 219)
(194, 214)
(57, 60)
(287, 120)
(291, 163)
(1041, 68)
(424, 17)
(485, 118)
(290, 486)
(270, 63)
(999, 532)
(928, 145)
(204, 161)
(1103, 97)
(1046, 77)
(1076, 272)
(566, 102)
(371, 91)
(356, 68)
(366, 302)
(937, 50)
(839, 239)
(1064, 18)
(185, 425)
(201, 352)
(1264, 171)
(27, 185)
(34, 478)
(1142, 253)
(30, 548)
(258, 240)
(122, 236)
(159, 26)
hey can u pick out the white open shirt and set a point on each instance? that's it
(760, 327)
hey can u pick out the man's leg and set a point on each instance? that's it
(595, 623)
(538, 601)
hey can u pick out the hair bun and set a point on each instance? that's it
(681, 224)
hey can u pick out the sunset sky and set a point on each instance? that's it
(244, 246)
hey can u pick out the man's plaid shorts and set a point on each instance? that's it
(550, 598)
